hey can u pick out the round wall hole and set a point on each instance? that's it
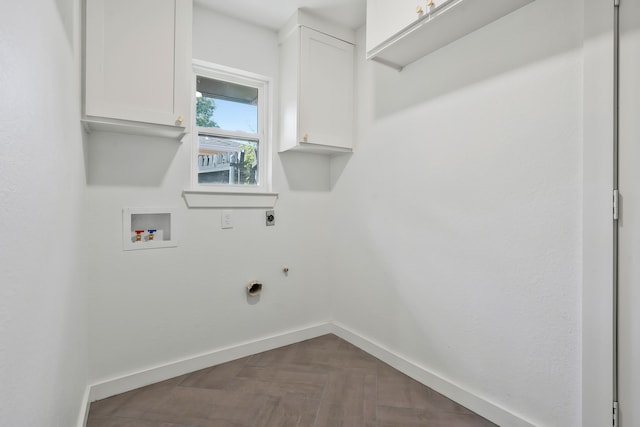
(254, 288)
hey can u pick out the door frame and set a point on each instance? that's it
(598, 236)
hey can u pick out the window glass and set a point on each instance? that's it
(226, 105)
(227, 160)
(227, 119)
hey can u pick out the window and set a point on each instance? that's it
(231, 146)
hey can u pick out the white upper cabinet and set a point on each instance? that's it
(400, 32)
(316, 88)
(137, 66)
(387, 18)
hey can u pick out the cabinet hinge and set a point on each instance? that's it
(615, 414)
(616, 212)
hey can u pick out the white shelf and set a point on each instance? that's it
(444, 24)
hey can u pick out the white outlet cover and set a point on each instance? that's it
(226, 219)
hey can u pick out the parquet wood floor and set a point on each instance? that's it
(322, 382)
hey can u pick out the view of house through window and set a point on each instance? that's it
(228, 132)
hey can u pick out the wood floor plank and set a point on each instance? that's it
(322, 382)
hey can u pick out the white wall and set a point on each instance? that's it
(457, 227)
(43, 350)
(456, 235)
(152, 307)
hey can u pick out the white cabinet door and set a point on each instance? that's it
(400, 32)
(136, 65)
(325, 109)
(385, 18)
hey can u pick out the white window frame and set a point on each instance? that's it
(264, 86)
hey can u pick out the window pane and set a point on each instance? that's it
(226, 105)
(227, 160)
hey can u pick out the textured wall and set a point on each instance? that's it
(457, 223)
(43, 352)
(151, 307)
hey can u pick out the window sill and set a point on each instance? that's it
(221, 199)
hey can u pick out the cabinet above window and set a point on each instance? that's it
(400, 32)
(137, 66)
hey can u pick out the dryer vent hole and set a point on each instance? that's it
(254, 288)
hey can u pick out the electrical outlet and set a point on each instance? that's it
(271, 218)
(226, 220)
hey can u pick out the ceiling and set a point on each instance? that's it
(274, 14)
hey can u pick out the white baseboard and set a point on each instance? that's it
(477, 404)
(156, 374)
(84, 408)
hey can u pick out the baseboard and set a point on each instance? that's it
(84, 408)
(156, 374)
(477, 404)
